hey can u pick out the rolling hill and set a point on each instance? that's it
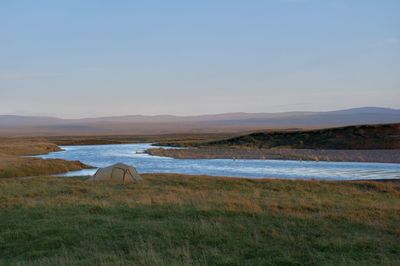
(344, 138)
(167, 124)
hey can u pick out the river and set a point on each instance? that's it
(132, 154)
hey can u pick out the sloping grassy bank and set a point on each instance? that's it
(175, 219)
(12, 164)
(365, 137)
(23, 167)
(18, 147)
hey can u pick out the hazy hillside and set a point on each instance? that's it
(165, 124)
(353, 137)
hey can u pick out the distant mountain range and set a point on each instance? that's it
(13, 125)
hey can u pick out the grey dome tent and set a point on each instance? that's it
(118, 172)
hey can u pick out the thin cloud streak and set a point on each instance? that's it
(391, 41)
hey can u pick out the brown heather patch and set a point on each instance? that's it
(376, 186)
(242, 205)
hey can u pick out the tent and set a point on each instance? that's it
(118, 172)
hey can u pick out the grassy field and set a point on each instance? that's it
(194, 220)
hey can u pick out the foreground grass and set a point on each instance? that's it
(174, 219)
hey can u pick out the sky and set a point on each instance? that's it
(77, 58)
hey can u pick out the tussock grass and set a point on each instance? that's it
(197, 220)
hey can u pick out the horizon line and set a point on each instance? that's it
(195, 115)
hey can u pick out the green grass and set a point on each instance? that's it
(186, 220)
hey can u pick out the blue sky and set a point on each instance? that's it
(91, 58)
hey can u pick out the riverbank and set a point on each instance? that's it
(177, 219)
(376, 156)
(14, 163)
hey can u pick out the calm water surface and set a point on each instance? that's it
(132, 154)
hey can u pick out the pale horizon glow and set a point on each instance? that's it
(75, 59)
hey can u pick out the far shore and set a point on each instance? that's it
(371, 156)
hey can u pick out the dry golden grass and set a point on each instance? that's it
(13, 165)
(16, 146)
